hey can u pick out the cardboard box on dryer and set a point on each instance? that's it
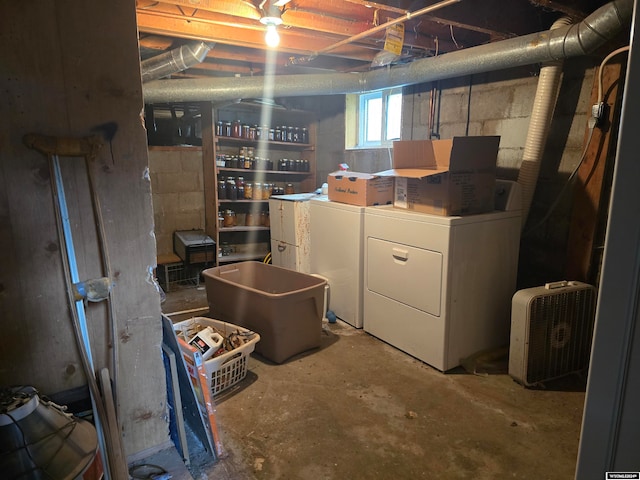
(362, 189)
(445, 177)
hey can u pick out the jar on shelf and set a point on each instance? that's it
(278, 134)
(248, 190)
(253, 133)
(264, 218)
(219, 128)
(228, 129)
(232, 189)
(289, 189)
(240, 187)
(229, 218)
(257, 191)
(272, 134)
(245, 131)
(266, 191)
(289, 134)
(220, 219)
(236, 129)
(304, 135)
(222, 189)
(296, 134)
(226, 249)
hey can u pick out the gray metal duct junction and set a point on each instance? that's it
(571, 41)
(174, 61)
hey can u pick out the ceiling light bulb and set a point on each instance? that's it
(271, 37)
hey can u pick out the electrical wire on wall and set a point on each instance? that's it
(597, 112)
(433, 94)
(466, 130)
(434, 103)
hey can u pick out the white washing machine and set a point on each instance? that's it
(439, 288)
(337, 253)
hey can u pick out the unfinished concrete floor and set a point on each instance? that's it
(357, 408)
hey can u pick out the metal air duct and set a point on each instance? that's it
(174, 61)
(565, 42)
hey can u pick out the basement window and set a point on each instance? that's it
(374, 119)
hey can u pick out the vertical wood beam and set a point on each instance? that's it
(590, 200)
(209, 173)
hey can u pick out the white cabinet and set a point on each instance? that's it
(289, 218)
(440, 288)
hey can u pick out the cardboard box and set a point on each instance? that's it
(362, 189)
(445, 177)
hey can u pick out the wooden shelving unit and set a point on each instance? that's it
(250, 242)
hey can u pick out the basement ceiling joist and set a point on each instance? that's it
(311, 27)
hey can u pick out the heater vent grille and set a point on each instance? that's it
(552, 329)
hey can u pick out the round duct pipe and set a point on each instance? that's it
(544, 105)
(174, 61)
(564, 42)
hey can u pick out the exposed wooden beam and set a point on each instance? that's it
(585, 231)
(155, 42)
(309, 26)
(496, 18)
(292, 41)
(379, 6)
(301, 21)
(230, 13)
(233, 8)
(576, 9)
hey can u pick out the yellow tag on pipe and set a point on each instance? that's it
(394, 38)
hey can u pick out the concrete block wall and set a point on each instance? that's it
(178, 192)
(500, 103)
(496, 103)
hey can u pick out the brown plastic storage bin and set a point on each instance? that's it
(283, 306)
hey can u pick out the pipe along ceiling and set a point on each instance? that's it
(575, 40)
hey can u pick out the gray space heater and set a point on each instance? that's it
(551, 331)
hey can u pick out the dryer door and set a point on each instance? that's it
(404, 273)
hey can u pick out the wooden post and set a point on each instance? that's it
(590, 200)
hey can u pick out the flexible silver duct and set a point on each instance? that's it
(544, 104)
(565, 42)
(174, 61)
